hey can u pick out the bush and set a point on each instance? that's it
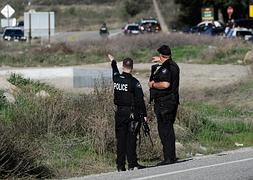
(201, 49)
(84, 115)
(66, 128)
(132, 7)
(28, 84)
(20, 159)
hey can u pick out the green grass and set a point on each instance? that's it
(246, 87)
(141, 49)
(220, 128)
(68, 130)
(75, 156)
(230, 55)
(218, 137)
(204, 54)
(187, 52)
(35, 86)
(214, 111)
(139, 55)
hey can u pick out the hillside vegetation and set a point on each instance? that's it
(185, 48)
(65, 135)
(75, 15)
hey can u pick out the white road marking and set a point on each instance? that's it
(192, 169)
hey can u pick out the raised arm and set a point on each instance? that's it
(115, 70)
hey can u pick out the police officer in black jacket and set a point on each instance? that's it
(164, 85)
(131, 109)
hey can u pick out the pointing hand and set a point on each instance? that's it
(156, 59)
(110, 57)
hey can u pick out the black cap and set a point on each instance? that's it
(164, 50)
(128, 63)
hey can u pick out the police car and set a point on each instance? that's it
(149, 25)
(14, 34)
(131, 29)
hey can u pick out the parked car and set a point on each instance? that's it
(131, 29)
(13, 33)
(242, 33)
(149, 25)
(207, 27)
(251, 39)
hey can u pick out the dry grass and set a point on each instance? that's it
(75, 135)
(20, 159)
(198, 49)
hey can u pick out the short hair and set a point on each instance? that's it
(164, 50)
(128, 63)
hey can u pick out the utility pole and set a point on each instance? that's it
(160, 17)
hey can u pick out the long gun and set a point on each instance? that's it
(146, 131)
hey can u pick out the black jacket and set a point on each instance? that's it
(168, 72)
(127, 91)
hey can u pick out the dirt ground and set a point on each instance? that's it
(197, 76)
(192, 76)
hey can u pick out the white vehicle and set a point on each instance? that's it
(243, 33)
(217, 28)
(214, 23)
(131, 29)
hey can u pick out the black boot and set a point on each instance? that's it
(121, 169)
(137, 166)
(166, 162)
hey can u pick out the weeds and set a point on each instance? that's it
(74, 133)
(185, 48)
(19, 158)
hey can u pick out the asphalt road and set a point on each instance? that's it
(233, 165)
(82, 35)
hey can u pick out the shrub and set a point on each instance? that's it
(20, 159)
(51, 127)
(141, 48)
(29, 84)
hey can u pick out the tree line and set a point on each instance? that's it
(190, 11)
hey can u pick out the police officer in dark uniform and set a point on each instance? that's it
(164, 86)
(131, 109)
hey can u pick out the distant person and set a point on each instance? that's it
(229, 28)
(131, 109)
(164, 87)
(209, 29)
(103, 31)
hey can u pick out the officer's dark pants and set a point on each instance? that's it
(166, 115)
(126, 139)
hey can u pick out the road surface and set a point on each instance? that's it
(233, 165)
(82, 35)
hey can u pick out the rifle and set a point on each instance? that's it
(146, 130)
